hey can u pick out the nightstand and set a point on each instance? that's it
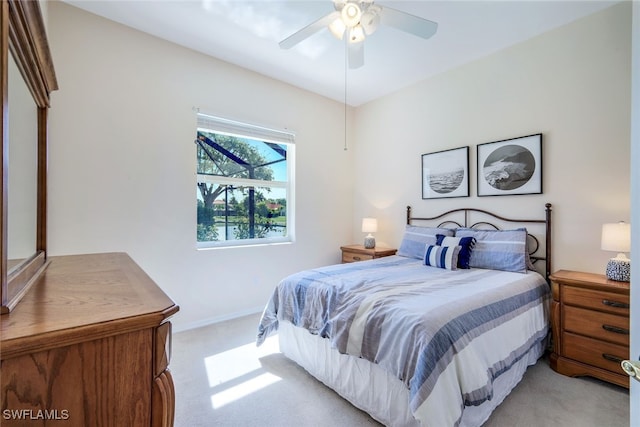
(590, 322)
(354, 253)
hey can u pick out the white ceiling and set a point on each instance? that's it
(246, 33)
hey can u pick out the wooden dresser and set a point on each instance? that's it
(354, 253)
(88, 345)
(590, 321)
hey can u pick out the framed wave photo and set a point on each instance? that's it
(510, 167)
(445, 174)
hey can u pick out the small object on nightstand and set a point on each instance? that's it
(355, 253)
(369, 225)
(617, 238)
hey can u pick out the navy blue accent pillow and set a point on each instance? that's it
(466, 246)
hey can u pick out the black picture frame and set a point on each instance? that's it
(445, 174)
(510, 166)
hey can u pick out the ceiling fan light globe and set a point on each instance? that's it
(339, 4)
(351, 14)
(356, 34)
(337, 28)
(370, 21)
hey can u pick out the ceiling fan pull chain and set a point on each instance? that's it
(346, 70)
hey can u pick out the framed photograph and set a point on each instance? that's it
(445, 174)
(509, 167)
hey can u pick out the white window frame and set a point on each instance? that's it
(218, 125)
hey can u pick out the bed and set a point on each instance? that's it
(437, 335)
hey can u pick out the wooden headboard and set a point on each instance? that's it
(481, 219)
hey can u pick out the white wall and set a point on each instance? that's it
(122, 163)
(571, 84)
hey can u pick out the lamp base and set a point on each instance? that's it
(619, 270)
(369, 242)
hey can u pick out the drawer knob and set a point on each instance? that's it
(615, 304)
(615, 329)
(357, 258)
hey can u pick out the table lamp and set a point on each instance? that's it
(369, 225)
(616, 237)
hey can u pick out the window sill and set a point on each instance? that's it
(229, 244)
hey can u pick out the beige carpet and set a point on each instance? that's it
(222, 379)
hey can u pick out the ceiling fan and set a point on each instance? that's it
(357, 18)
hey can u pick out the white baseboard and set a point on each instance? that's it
(180, 327)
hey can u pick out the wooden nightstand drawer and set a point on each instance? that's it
(354, 257)
(595, 353)
(598, 300)
(604, 326)
(355, 253)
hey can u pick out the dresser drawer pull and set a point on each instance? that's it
(615, 304)
(357, 258)
(612, 358)
(615, 329)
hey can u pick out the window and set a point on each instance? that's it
(244, 186)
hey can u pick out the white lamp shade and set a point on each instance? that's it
(369, 225)
(616, 237)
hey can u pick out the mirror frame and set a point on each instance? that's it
(23, 34)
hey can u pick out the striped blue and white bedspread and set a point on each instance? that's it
(446, 334)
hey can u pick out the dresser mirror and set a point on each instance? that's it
(28, 79)
(22, 197)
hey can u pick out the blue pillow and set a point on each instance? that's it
(441, 256)
(415, 238)
(466, 243)
(498, 249)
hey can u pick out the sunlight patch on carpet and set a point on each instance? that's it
(244, 389)
(238, 361)
(240, 367)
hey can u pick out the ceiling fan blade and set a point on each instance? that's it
(308, 31)
(408, 23)
(356, 55)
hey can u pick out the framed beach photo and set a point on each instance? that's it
(445, 174)
(510, 167)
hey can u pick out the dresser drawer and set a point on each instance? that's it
(604, 326)
(355, 257)
(598, 300)
(594, 352)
